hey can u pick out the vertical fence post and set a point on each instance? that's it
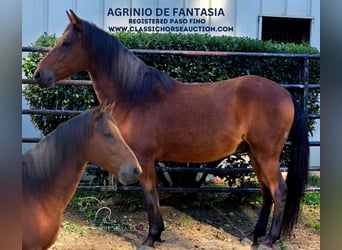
(305, 80)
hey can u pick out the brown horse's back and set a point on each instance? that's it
(207, 122)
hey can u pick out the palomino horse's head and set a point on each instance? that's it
(107, 148)
(67, 57)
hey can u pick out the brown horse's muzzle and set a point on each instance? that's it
(45, 79)
(130, 175)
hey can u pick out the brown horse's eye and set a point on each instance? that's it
(66, 43)
(108, 135)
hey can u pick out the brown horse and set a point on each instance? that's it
(53, 168)
(166, 120)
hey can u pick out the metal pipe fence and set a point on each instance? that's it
(303, 85)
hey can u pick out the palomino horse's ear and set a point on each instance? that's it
(73, 18)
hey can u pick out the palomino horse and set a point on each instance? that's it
(166, 120)
(52, 170)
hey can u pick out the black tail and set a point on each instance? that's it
(297, 171)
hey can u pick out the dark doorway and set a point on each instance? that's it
(289, 30)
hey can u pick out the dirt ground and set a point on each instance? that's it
(187, 227)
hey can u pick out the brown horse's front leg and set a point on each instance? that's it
(156, 225)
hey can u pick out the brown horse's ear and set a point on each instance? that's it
(111, 107)
(73, 18)
(103, 106)
(103, 110)
(98, 111)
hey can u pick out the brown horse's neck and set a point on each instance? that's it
(125, 79)
(68, 182)
(104, 86)
(106, 75)
(42, 181)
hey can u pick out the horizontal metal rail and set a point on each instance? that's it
(195, 53)
(61, 82)
(37, 139)
(77, 112)
(30, 139)
(165, 189)
(88, 82)
(49, 112)
(177, 189)
(213, 170)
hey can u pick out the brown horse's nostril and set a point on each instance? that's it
(137, 171)
(37, 76)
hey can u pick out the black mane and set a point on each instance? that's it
(136, 81)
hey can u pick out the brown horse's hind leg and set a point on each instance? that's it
(273, 187)
(260, 227)
(156, 224)
(279, 192)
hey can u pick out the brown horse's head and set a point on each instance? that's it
(66, 57)
(107, 148)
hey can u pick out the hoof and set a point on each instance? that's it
(268, 241)
(263, 246)
(246, 241)
(143, 247)
(149, 242)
